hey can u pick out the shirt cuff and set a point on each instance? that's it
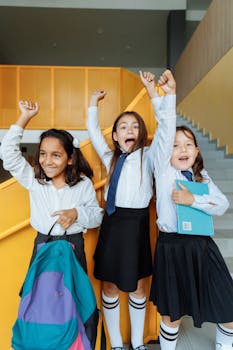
(92, 108)
(170, 102)
(17, 128)
(201, 202)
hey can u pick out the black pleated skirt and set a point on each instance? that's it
(123, 252)
(191, 278)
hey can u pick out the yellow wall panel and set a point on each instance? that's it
(130, 87)
(35, 85)
(8, 96)
(108, 80)
(64, 93)
(14, 206)
(15, 253)
(69, 98)
(209, 104)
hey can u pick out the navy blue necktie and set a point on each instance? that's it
(187, 174)
(110, 206)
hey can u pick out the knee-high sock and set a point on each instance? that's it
(168, 336)
(111, 309)
(137, 311)
(224, 336)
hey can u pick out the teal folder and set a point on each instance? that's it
(190, 220)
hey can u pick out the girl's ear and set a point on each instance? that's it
(115, 136)
(70, 161)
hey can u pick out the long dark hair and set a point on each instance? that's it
(198, 164)
(140, 142)
(73, 171)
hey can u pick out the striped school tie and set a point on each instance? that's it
(110, 206)
(187, 174)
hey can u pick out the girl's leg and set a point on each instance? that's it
(224, 336)
(111, 310)
(137, 311)
(168, 333)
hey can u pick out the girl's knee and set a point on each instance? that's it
(173, 324)
(228, 325)
(110, 289)
(140, 291)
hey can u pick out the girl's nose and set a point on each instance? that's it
(183, 148)
(48, 160)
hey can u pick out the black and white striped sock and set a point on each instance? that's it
(137, 311)
(168, 336)
(111, 310)
(224, 337)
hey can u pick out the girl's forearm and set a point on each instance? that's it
(22, 121)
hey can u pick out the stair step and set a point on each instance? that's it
(213, 154)
(191, 338)
(218, 163)
(223, 233)
(218, 174)
(229, 262)
(224, 222)
(230, 198)
(206, 145)
(225, 246)
(226, 186)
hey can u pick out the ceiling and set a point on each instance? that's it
(67, 33)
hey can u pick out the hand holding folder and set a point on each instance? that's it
(190, 220)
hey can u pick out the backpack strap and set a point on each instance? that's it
(51, 238)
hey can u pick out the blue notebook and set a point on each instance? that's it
(190, 220)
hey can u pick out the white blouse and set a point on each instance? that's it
(166, 175)
(46, 199)
(133, 190)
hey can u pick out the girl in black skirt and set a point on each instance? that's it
(190, 276)
(123, 254)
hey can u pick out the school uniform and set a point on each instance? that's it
(190, 276)
(46, 199)
(123, 253)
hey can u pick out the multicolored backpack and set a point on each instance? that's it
(58, 307)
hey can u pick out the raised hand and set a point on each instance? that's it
(167, 82)
(28, 108)
(147, 79)
(96, 97)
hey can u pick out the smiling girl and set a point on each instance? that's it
(190, 276)
(123, 253)
(61, 192)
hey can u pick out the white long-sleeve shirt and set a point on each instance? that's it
(166, 174)
(46, 199)
(133, 191)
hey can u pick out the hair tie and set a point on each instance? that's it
(75, 143)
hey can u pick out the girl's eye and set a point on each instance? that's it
(41, 154)
(57, 155)
(175, 145)
(136, 126)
